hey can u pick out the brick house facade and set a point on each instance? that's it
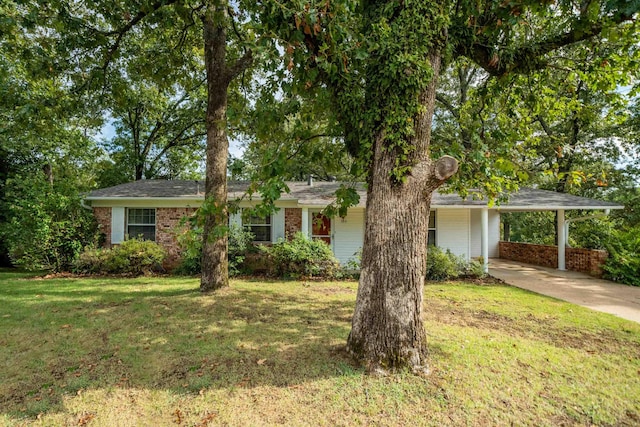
(468, 227)
(292, 221)
(169, 225)
(103, 218)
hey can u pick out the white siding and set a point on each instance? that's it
(348, 235)
(476, 231)
(277, 225)
(453, 230)
(117, 224)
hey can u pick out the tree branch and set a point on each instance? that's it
(120, 33)
(240, 65)
(544, 125)
(529, 57)
(448, 105)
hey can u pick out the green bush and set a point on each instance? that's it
(240, 242)
(351, 269)
(623, 264)
(301, 256)
(133, 256)
(475, 269)
(444, 265)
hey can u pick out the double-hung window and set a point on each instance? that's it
(432, 229)
(141, 223)
(259, 226)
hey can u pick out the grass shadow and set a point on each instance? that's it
(59, 337)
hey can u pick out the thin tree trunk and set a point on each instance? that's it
(387, 329)
(215, 273)
(215, 266)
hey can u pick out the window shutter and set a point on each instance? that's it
(117, 225)
(277, 230)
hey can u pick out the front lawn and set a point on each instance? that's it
(154, 351)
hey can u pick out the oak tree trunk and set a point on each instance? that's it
(387, 329)
(215, 273)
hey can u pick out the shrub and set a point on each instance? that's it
(475, 269)
(191, 245)
(623, 264)
(352, 268)
(240, 242)
(133, 256)
(301, 256)
(44, 227)
(444, 265)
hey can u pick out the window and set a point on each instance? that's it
(432, 229)
(259, 226)
(141, 223)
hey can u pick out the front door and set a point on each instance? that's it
(321, 227)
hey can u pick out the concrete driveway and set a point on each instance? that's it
(578, 288)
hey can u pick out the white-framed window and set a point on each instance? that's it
(141, 223)
(431, 240)
(259, 226)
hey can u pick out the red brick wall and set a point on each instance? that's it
(103, 218)
(167, 230)
(577, 259)
(292, 221)
(586, 260)
(545, 256)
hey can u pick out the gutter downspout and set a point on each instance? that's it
(87, 207)
(568, 222)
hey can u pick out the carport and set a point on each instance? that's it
(530, 200)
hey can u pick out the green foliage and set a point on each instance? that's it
(623, 264)
(346, 197)
(539, 228)
(301, 257)
(475, 268)
(159, 131)
(444, 265)
(133, 256)
(190, 242)
(591, 234)
(46, 227)
(240, 242)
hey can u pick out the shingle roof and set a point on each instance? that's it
(322, 193)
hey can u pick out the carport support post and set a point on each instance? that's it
(562, 242)
(484, 219)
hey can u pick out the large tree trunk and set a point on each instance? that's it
(215, 273)
(387, 329)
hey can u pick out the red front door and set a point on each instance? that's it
(321, 227)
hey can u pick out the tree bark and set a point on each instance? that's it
(387, 329)
(215, 273)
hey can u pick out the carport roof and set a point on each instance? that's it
(322, 193)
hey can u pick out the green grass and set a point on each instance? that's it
(154, 351)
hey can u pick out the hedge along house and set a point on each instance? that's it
(470, 228)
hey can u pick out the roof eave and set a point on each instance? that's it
(555, 208)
